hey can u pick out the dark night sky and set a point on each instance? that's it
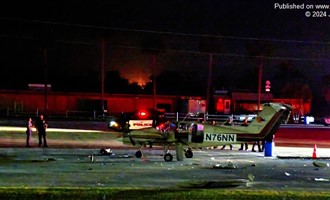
(232, 18)
(71, 30)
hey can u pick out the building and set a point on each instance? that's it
(239, 101)
(63, 103)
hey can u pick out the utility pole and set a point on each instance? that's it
(153, 66)
(259, 82)
(209, 83)
(102, 73)
(46, 79)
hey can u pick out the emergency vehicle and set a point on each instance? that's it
(139, 119)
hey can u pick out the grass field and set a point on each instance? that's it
(126, 193)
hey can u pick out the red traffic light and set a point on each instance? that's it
(267, 87)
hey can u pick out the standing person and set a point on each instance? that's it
(41, 126)
(258, 145)
(242, 146)
(29, 127)
(229, 122)
(224, 146)
(245, 123)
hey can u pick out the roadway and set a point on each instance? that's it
(302, 135)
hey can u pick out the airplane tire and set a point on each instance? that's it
(168, 157)
(188, 153)
(138, 154)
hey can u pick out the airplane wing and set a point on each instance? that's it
(192, 134)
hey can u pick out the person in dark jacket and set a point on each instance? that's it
(41, 126)
(245, 123)
(229, 122)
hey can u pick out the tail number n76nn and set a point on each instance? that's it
(214, 137)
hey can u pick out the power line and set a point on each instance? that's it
(176, 50)
(172, 33)
(226, 54)
(168, 32)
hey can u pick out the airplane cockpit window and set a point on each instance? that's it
(183, 126)
(192, 128)
(197, 132)
(200, 127)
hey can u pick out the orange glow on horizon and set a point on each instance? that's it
(136, 75)
(139, 80)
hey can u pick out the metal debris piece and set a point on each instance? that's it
(287, 174)
(230, 165)
(322, 179)
(251, 177)
(320, 164)
(105, 151)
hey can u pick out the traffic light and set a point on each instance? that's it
(267, 87)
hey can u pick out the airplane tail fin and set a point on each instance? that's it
(270, 112)
(264, 126)
(280, 117)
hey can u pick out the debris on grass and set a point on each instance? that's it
(215, 184)
(251, 177)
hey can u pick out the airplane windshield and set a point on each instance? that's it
(200, 127)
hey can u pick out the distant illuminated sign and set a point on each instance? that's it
(139, 124)
(33, 86)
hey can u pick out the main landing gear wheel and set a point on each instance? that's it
(188, 153)
(138, 154)
(168, 157)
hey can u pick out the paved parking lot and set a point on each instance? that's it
(44, 167)
(69, 164)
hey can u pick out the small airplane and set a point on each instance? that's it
(196, 134)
